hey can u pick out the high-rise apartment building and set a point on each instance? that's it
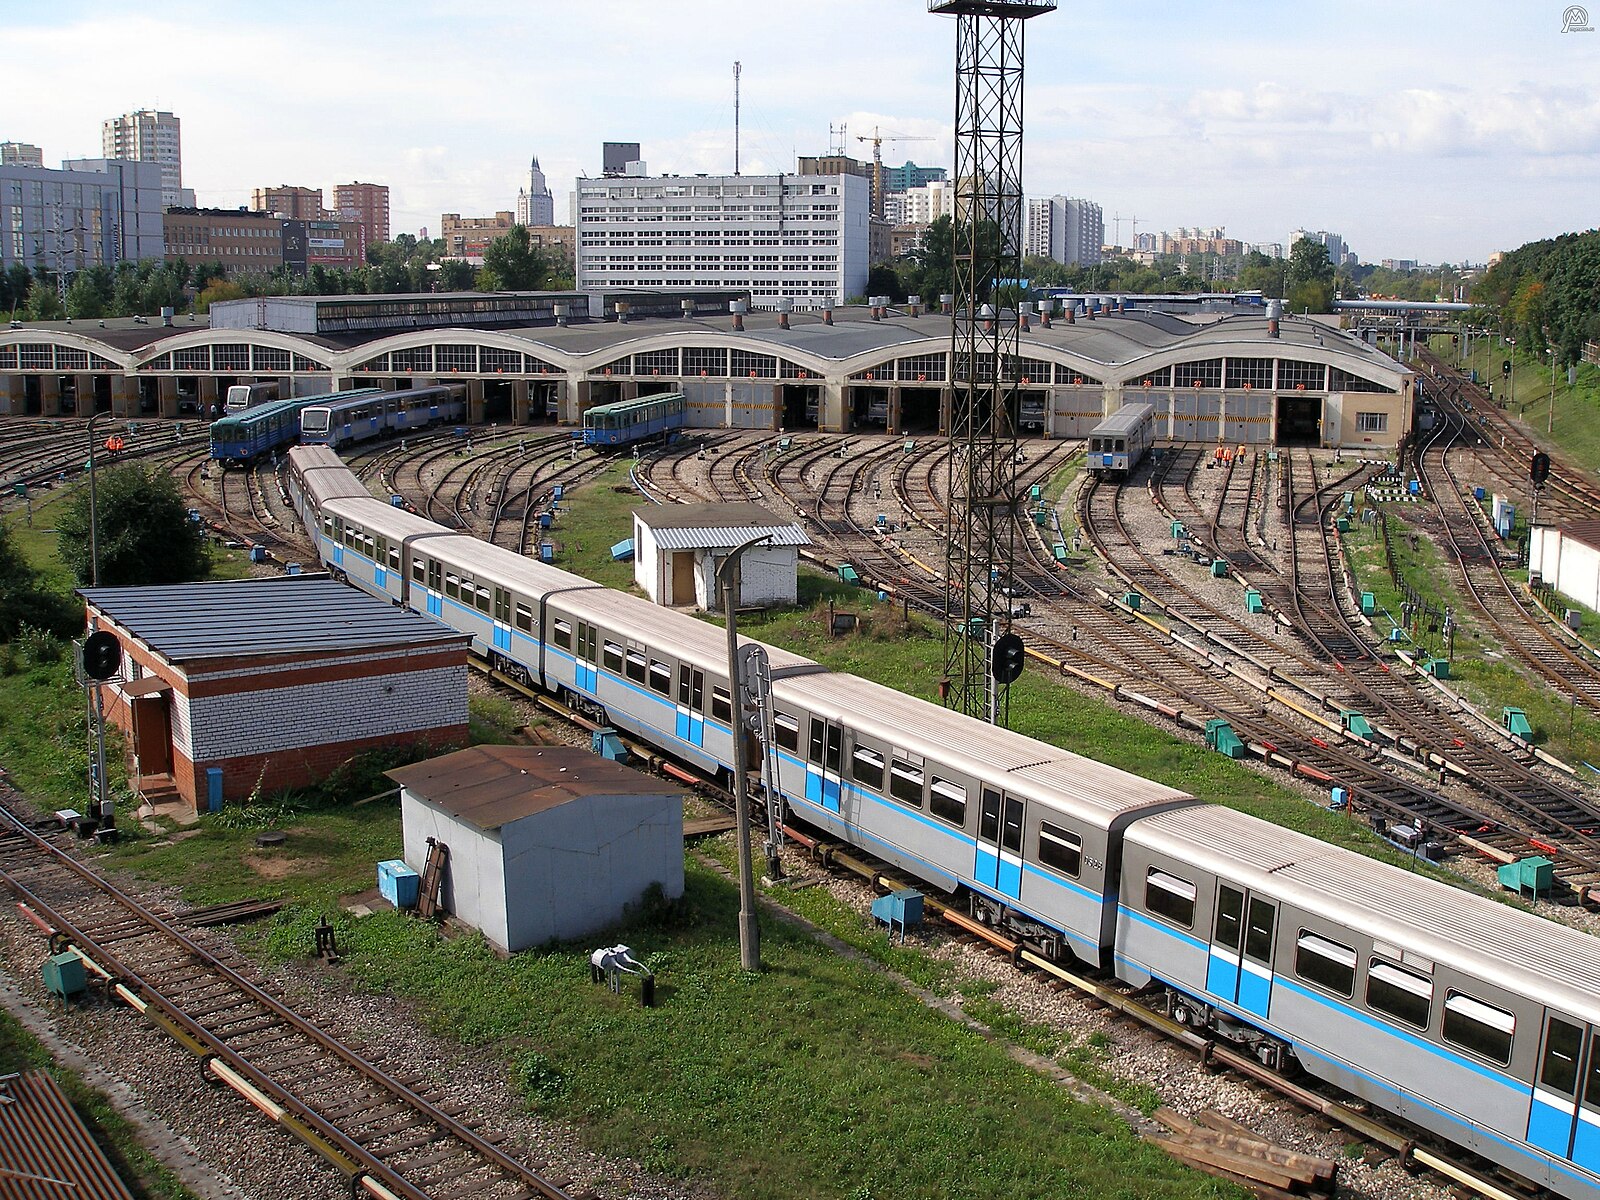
(1332, 241)
(535, 204)
(926, 204)
(150, 136)
(294, 203)
(92, 212)
(1070, 231)
(367, 203)
(904, 178)
(20, 154)
(800, 237)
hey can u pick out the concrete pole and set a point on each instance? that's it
(749, 930)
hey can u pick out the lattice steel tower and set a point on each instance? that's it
(984, 345)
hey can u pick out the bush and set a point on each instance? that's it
(37, 647)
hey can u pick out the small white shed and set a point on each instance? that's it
(546, 842)
(677, 547)
(1567, 557)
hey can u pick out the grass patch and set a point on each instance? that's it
(873, 1094)
(1479, 667)
(146, 1177)
(1575, 427)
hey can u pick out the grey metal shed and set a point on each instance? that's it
(547, 843)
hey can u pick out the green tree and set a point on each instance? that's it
(43, 302)
(1310, 278)
(884, 280)
(145, 533)
(935, 258)
(455, 275)
(89, 295)
(512, 263)
(15, 283)
(24, 599)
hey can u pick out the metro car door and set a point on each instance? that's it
(691, 723)
(586, 674)
(1565, 1115)
(998, 864)
(1239, 970)
(824, 756)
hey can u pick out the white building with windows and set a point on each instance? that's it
(1067, 230)
(93, 212)
(150, 136)
(535, 205)
(797, 237)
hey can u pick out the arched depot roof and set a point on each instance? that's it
(1112, 350)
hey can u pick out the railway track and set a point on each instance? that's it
(390, 1136)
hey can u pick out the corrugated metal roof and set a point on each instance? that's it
(716, 526)
(1586, 532)
(251, 617)
(491, 786)
(45, 1151)
(1505, 946)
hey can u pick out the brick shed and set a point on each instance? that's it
(546, 842)
(271, 683)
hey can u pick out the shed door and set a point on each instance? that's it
(682, 577)
(152, 734)
(1565, 1115)
(1240, 966)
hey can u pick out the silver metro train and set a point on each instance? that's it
(1471, 1019)
(1119, 443)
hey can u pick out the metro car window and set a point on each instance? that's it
(525, 620)
(947, 801)
(905, 783)
(785, 730)
(660, 677)
(1401, 994)
(637, 665)
(722, 710)
(1325, 963)
(866, 764)
(1482, 1028)
(1059, 849)
(613, 656)
(560, 631)
(1170, 897)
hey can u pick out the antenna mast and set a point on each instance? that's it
(735, 118)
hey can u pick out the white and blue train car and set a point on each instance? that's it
(1471, 1019)
(1030, 830)
(346, 422)
(1119, 443)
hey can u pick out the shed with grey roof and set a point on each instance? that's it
(256, 685)
(678, 547)
(546, 843)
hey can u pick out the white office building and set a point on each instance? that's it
(1067, 230)
(92, 212)
(801, 237)
(150, 136)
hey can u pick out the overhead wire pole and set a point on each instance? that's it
(985, 346)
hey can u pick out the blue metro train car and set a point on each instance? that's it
(250, 433)
(630, 421)
(381, 414)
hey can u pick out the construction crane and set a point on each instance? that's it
(878, 139)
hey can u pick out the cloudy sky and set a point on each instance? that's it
(1434, 130)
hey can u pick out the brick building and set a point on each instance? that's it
(297, 203)
(227, 688)
(367, 203)
(469, 237)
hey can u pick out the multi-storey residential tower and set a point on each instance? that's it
(150, 136)
(367, 203)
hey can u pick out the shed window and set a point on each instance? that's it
(660, 677)
(613, 657)
(867, 766)
(1401, 994)
(1325, 963)
(785, 729)
(1059, 849)
(1170, 897)
(1479, 1027)
(905, 783)
(948, 801)
(638, 665)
